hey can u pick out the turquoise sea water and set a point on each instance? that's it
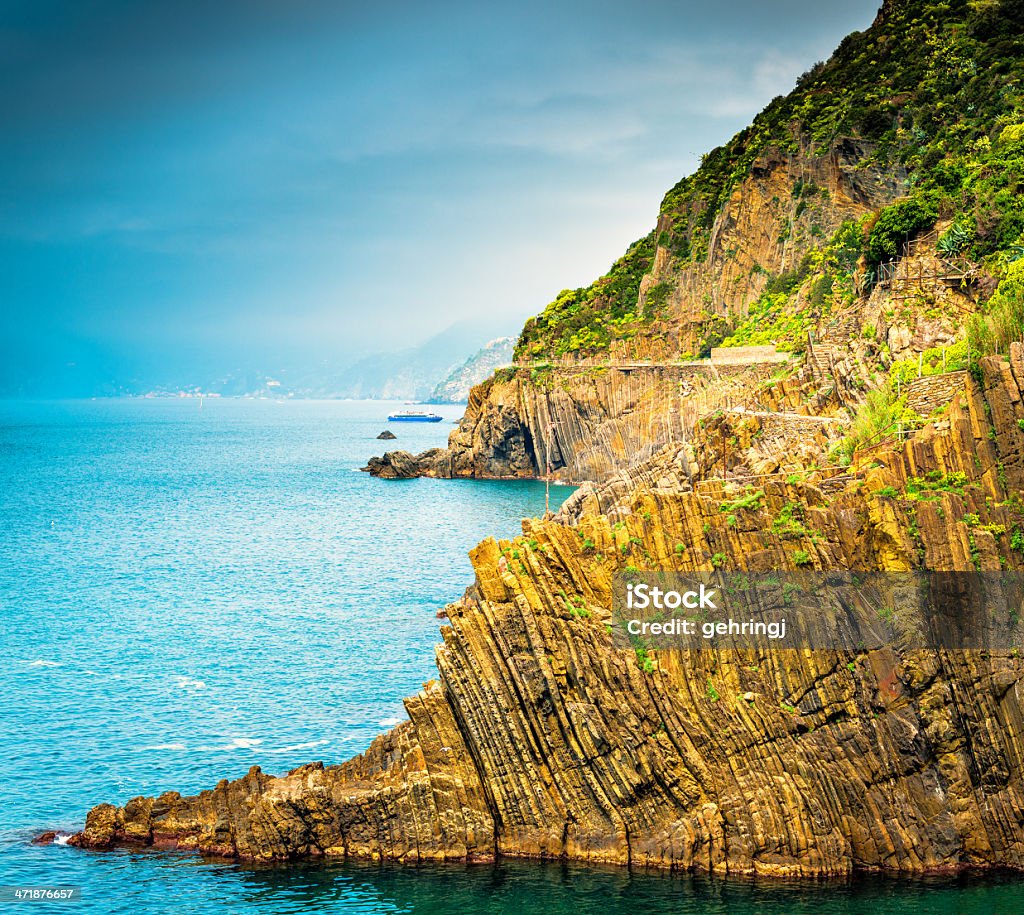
(185, 593)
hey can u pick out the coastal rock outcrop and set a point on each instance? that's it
(584, 423)
(542, 737)
(401, 465)
(592, 416)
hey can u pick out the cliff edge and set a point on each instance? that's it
(869, 213)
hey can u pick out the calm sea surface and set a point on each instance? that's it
(185, 593)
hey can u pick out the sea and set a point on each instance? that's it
(189, 588)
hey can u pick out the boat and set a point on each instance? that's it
(414, 416)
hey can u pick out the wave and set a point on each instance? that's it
(241, 743)
(389, 722)
(43, 663)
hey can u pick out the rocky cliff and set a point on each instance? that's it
(541, 737)
(872, 211)
(580, 421)
(870, 237)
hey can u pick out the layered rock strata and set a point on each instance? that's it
(585, 423)
(541, 738)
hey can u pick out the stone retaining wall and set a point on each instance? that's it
(928, 393)
(746, 355)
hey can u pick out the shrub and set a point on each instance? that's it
(879, 413)
(644, 661)
(770, 320)
(931, 361)
(898, 223)
(789, 525)
(1017, 540)
(924, 488)
(749, 501)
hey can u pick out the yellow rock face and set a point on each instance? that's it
(540, 738)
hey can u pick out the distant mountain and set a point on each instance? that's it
(75, 368)
(415, 373)
(409, 374)
(454, 388)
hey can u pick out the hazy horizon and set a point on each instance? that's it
(191, 189)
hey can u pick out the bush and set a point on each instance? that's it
(749, 501)
(1017, 541)
(896, 225)
(790, 523)
(932, 361)
(769, 320)
(645, 663)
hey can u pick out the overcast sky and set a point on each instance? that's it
(265, 181)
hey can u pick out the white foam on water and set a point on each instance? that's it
(389, 722)
(42, 663)
(167, 746)
(61, 840)
(243, 743)
(188, 683)
(299, 746)
(236, 743)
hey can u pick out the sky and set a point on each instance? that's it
(191, 186)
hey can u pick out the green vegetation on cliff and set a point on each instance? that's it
(932, 94)
(929, 87)
(781, 315)
(587, 320)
